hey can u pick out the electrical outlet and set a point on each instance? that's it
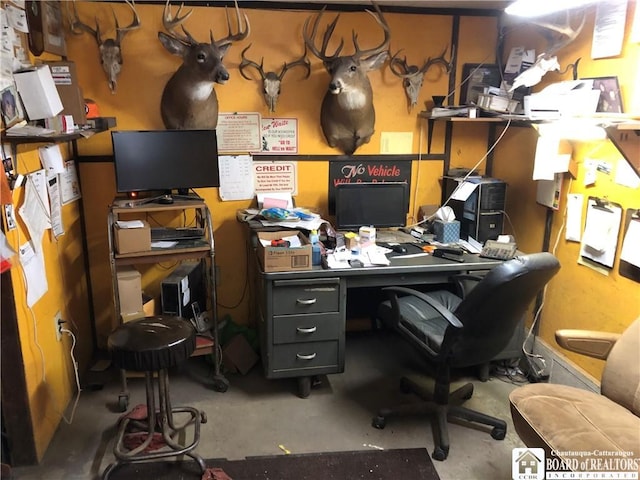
(57, 325)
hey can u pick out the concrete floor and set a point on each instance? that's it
(262, 417)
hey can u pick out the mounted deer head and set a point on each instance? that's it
(110, 48)
(271, 81)
(557, 37)
(189, 100)
(347, 115)
(413, 76)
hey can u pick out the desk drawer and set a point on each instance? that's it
(305, 355)
(305, 296)
(307, 328)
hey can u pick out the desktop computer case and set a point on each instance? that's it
(482, 214)
(181, 288)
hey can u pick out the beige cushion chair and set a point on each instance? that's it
(568, 419)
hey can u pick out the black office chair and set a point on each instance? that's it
(454, 332)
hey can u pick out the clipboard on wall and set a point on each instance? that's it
(630, 254)
(602, 227)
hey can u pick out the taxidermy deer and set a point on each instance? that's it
(413, 76)
(189, 100)
(347, 115)
(557, 37)
(272, 81)
(110, 48)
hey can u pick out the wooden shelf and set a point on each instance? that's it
(55, 138)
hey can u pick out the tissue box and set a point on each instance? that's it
(446, 232)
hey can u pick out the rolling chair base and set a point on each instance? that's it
(441, 414)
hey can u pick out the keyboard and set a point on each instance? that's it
(185, 233)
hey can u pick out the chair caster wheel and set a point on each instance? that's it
(123, 402)
(440, 453)
(498, 433)
(203, 417)
(220, 384)
(379, 422)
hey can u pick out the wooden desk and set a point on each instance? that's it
(302, 314)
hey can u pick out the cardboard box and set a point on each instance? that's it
(149, 306)
(129, 291)
(38, 92)
(66, 82)
(131, 240)
(284, 259)
(447, 232)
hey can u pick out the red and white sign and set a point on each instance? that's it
(279, 136)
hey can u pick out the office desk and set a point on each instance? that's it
(302, 314)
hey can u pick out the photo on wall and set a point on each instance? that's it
(12, 112)
(610, 100)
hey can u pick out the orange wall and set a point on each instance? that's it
(148, 66)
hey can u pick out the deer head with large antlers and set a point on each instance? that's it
(347, 115)
(413, 76)
(272, 81)
(110, 48)
(189, 100)
(557, 36)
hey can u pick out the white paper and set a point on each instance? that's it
(464, 191)
(608, 31)
(600, 236)
(34, 272)
(17, 18)
(51, 159)
(35, 208)
(635, 27)
(130, 224)
(544, 167)
(625, 175)
(573, 230)
(57, 227)
(631, 244)
(590, 169)
(164, 244)
(236, 177)
(69, 184)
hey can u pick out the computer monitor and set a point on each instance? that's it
(377, 204)
(165, 160)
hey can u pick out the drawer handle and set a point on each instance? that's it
(301, 356)
(310, 301)
(306, 330)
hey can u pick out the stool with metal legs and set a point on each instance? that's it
(152, 345)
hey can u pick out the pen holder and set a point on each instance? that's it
(446, 232)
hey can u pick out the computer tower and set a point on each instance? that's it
(481, 215)
(181, 288)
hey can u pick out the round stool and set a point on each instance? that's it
(152, 345)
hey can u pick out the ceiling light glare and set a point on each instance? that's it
(528, 8)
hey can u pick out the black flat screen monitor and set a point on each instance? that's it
(379, 204)
(151, 160)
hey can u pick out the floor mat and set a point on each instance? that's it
(413, 463)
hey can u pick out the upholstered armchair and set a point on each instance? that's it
(560, 418)
(452, 331)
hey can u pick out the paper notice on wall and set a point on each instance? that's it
(239, 132)
(573, 231)
(34, 273)
(34, 211)
(51, 159)
(280, 136)
(53, 189)
(69, 183)
(276, 177)
(608, 31)
(236, 177)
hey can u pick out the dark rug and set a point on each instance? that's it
(410, 464)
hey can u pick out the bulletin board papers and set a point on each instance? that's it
(236, 177)
(278, 176)
(239, 132)
(600, 238)
(279, 136)
(69, 184)
(629, 266)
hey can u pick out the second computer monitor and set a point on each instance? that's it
(377, 204)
